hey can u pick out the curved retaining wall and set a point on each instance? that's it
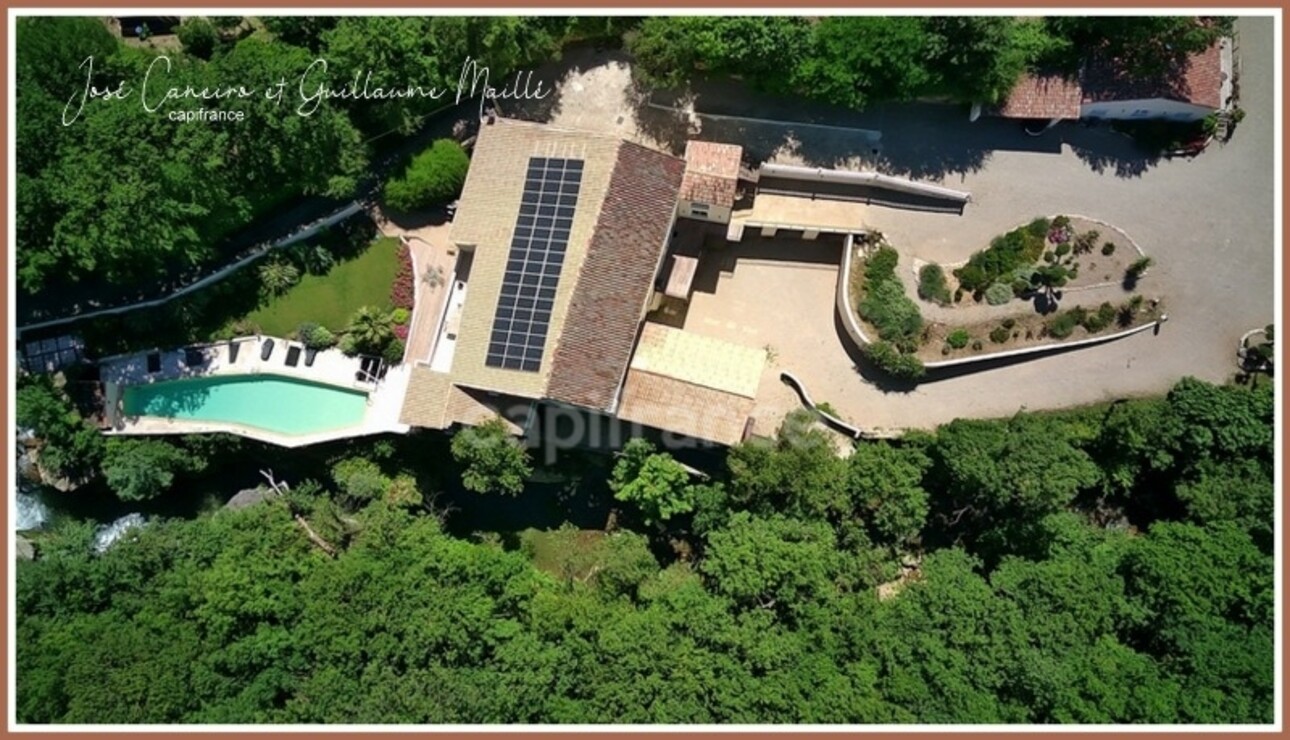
(830, 419)
(843, 299)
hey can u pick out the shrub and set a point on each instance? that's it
(403, 292)
(932, 285)
(1005, 254)
(1039, 227)
(400, 315)
(1139, 267)
(277, 276)
(434, 176)
(1064, 324)
(976, 346)
(881, 265)
(958, 339)
(401, 331)
(198, 36)
(891, 312)
(315, 336)
(1108, 249)
(1094, 322)
(887, 358)
(1062, 250)
(1061, 222)
(998, 294)
(393, 353)
(958, 295)
(1084, 242)
(999, 334)
(1009, 323)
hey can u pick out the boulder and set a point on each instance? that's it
(247, 497)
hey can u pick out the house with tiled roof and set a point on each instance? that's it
(561, 237)
(1197, 86)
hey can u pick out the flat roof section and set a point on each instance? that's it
(684, 408)
(699, 360)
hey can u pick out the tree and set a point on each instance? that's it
(141, 469)
(1146, 46)
(980, 58)
(435, 176)
(360, 479)
(70, 446)
(492, 460)
(771, 561)
(370, 330)
(300, 30)
(886, 482)
(798, 473)
(199, 37)
(655, 482)
(856, 60)
(1009, 473)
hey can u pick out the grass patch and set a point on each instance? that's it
(331, 299)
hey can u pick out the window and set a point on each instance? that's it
(699, 209)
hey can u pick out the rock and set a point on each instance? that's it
(24, 548)
(247, 497)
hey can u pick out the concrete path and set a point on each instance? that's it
(1208, 223)
(432, 254)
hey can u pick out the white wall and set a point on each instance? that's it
(1144, 110)
(716, 214)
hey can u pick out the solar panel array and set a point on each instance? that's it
(533, 266)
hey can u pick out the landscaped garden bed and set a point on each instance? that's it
(902, 341)
(1063, 253)
(1026, 330)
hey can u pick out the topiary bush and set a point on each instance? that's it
(958, 339)
(1000, 334)
(932, 285)
(400, 315)
(998, 294)
(1108, 249)
(434, 177)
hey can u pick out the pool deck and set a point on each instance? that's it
(331, 367)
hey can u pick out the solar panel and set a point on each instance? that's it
(541, 236)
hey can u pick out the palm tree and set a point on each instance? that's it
(371, 329)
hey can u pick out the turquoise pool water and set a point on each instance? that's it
(276, 404)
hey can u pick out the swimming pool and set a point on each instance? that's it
(283, 405)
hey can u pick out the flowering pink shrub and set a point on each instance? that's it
(403, 292)
(401, 331)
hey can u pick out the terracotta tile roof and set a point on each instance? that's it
(711, 172)
(1198, 80)
(616, 279)
(684, 408)
(1043, 96)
